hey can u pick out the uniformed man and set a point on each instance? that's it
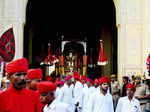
(115, 90)
(125, 82)
(142, 92)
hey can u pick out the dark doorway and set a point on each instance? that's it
(48, 21)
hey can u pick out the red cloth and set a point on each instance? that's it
(96, 81)
(102, 60)
(19, 65)
(34, 74)
(68, 78)
(129, 85)
(24, 100)
(83, 77)
(88, 80)
(104, 80)
(46, 86)
(76, 75)
(57, 80)
(61, 82)
(48, 78)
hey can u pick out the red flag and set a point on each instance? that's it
(102, 57)
(7, 46)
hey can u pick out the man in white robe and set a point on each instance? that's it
(83, 79)
(66, 93)
(78, 91)
(128, 103)
(101, 101)
(58, 89)
(86, 94)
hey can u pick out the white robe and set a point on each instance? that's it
(86, 94)
(56, 106)
(124, 105)
(100, 103)
(57, 92)
(66, 96)
(78, 89)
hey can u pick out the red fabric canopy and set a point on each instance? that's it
(102, 60)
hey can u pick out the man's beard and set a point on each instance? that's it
(20, 85)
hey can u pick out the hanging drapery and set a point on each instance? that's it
(102, 60)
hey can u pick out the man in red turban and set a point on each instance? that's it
(47, 96)
(83, 79)
(96, 83)
(101, 101)
(128, 103)
(17, 98)
(33, 76)
(77, 90)
(66, 92)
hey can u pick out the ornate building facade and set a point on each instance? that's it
(132, 22)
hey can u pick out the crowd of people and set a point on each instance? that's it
(25, 91)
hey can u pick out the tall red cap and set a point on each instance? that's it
(104, 80)
(34, 74)
(19, 65)
(46, 86)
(129, 85)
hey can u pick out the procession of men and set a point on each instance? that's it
(77, 93)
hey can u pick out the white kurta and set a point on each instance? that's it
(125, 105)
(57, 92)
(78, 89)
(100, 103)
(56, 106)
(65, 95)
(85, 98)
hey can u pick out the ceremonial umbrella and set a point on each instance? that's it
(102, 60)
(7, 46)
(7, 49)
(49, 62)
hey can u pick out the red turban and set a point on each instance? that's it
(129, 85)
(88, 80)
(48, 78)
(96, 81)
(104, 80)
(68, 78)
(46, 86)
(57, 80)
(76, 75)
(34, 73)
(61, 82)
(83, 77)
(19, 65)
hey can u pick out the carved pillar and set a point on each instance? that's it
(12, 14)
